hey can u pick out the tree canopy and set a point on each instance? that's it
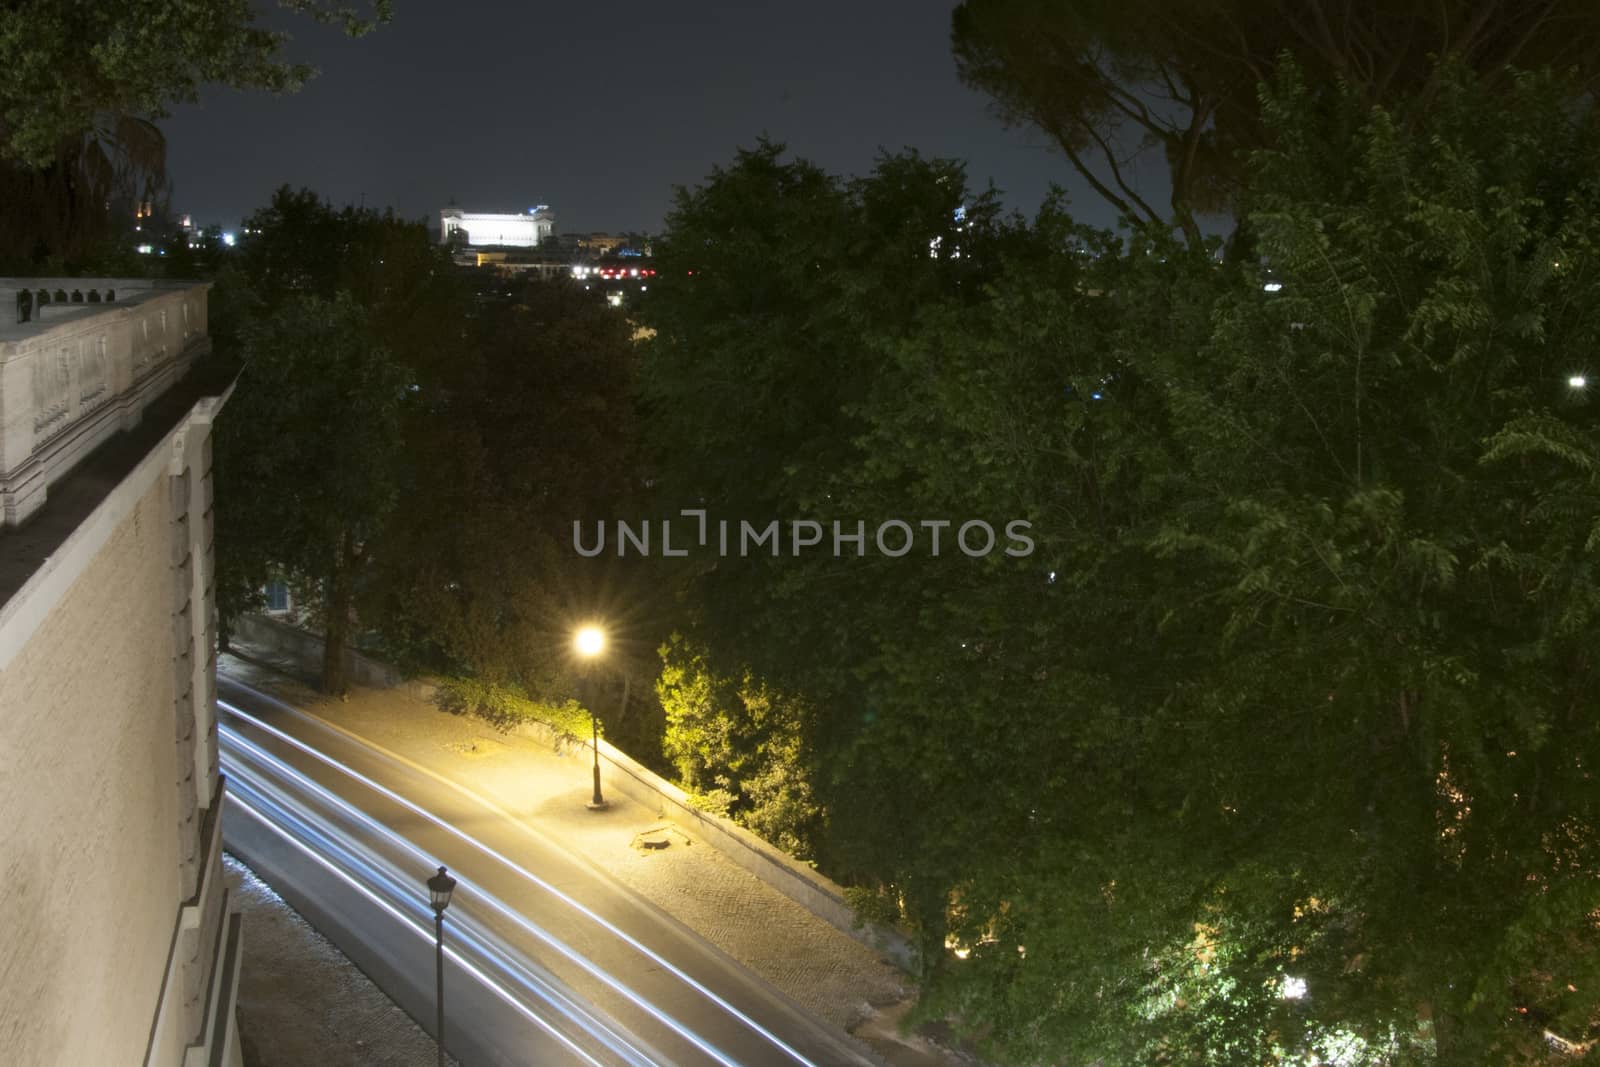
(1277, 745)
(81, 88)
(307, 455)
(340, 315)
(72, 69)
(1110, 81)
(530, 430)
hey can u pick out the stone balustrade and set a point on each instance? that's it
(80, 366)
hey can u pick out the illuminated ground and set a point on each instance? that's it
(833, 977)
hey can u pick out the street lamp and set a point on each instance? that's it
(590, 642)
(440, 886)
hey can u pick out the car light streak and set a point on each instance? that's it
(484, 943)
(493, 902)
(349, 846)
(606, 924)
(493, 986)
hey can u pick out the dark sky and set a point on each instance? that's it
(597, 109)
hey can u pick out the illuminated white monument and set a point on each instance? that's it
(502, 231)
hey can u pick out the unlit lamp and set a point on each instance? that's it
(440, 886)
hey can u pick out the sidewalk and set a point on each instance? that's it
(301, 1001)
(829, 974)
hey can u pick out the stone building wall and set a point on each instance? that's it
(121, 946)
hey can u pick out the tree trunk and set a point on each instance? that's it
(1240, 246)
(336, 631)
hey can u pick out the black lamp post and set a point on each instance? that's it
(440, 886)
(590, 642)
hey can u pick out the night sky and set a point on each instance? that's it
(597, 109)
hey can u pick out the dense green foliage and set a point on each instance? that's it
(507, 706)
(306, 455)
(1294, 688)
(514, 419)
(309, 455)
(81, 85)
(1109, 81)
(528, 430)
(70, 69)
(737, 747)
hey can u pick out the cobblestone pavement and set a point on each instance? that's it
(830, 974)
(301, 1002)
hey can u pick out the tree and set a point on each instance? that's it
(307, 455)
(70, 69)
(1109, 81)
(528, 430)
(1274, 747)
(386, 280)
(1388, 498)
(416, 306)
(738, 746)
(773, 363)
(81, 86)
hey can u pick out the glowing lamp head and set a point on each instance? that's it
(1577, 381)
(590, 641)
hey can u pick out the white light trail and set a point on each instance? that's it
(401, 886)
(606, 924)
(479, 895)
(394, 912)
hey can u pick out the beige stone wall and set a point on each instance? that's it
(89, 841)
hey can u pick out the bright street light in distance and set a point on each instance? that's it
(1577, 381)
(590, 641)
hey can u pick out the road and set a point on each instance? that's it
(549, 961)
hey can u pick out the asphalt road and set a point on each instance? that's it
(549, 961)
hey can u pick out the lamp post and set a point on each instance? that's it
(590, 642)
(440, 886)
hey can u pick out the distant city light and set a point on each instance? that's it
(145, 250)
(1272, 287)
(1577, 381)
(228, 239)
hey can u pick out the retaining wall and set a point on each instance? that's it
(305, 649)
